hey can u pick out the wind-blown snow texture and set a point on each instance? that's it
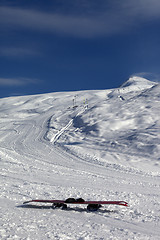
(98, 145)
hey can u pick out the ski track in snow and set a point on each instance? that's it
(107, 149)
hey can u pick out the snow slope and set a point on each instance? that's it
(98, 145)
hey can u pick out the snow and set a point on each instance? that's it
(104, 146)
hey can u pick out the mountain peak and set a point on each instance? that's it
(139, 82)
(136, 83)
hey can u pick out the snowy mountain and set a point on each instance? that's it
(98, 145)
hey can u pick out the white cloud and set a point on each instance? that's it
(114, 17)
(146, 9)
(57, 23)
(17, 52)
(16, 81)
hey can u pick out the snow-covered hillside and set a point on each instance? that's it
(98, 145)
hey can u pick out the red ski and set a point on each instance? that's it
(92, 205)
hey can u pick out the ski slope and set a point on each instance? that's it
(106, 146)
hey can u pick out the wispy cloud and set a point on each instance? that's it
(55, 23)
(113, 17)
(141, 9)
(18, 52)
(17, 81)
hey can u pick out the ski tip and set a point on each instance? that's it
(124, 204)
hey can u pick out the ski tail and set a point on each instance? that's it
(41, 201)
(27, 202)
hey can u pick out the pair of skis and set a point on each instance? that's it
(92, 205)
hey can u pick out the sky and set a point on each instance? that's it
(71, 45)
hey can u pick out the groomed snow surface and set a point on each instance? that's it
(97, 145)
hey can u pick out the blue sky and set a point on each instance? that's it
(68, 45)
